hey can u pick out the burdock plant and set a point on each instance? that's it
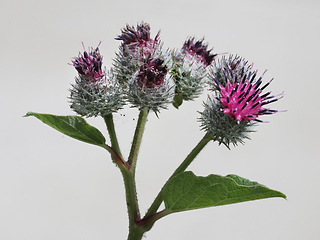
(150, 79)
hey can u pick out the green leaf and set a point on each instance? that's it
(72, 126)
(177, 101)
(187, 191)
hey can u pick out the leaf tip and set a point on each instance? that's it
(284, 196)
(28, 114)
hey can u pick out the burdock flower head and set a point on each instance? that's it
(151, 87)
(138, 41)
(89, 64)
(136, 46)
(96, 91)
(229, 116)
(189, 69)
(198, 51)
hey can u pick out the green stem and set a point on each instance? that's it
(135, 231)
(132, 204)
(183, 166)
(145, 225)
(108, 119)
(115, 157)
(132, 161)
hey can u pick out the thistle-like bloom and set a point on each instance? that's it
(189, 69)
(89, 64)
(243, 100)
(240, 101)
(96, 92)
(151, 87)
(138, 41)
(242, 96)
(152, 73)
(136, 46)
(198, 51)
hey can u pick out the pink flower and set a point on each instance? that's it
(242, 96)
(89, 64)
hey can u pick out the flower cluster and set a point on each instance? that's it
(189, 70)
(140, 76)
(146, 77)
(229, 116)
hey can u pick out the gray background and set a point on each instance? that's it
(53, 187)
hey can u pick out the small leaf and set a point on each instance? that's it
(187, 191)
(72, 126)
(177, 101)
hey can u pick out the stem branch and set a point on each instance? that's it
(128, 173)
(132, 161)
(108, 119)
(183, 166)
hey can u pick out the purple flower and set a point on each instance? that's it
(152, 73)
(198, 51)
(151, 86)
(242, 96)
(89, 64)
(138, 41)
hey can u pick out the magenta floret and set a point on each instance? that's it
(198, 50)
(135, 39)
(243, 100)
(152, 72)
(89, 64)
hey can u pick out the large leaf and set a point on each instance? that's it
(187, 191)
(72, 126)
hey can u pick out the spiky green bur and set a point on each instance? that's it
(151, 87)
(102, 97)
(189, 78)
(136, 46)
(222, 127)
(189, 70)
(96, 91)
(227, 68)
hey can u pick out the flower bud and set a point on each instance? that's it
(197, 52)
(138, 42)
(136, 46)
(89, 64)
(151, 86)
(95, 92)
(189, 70)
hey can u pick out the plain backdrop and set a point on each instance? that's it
(56, 188)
